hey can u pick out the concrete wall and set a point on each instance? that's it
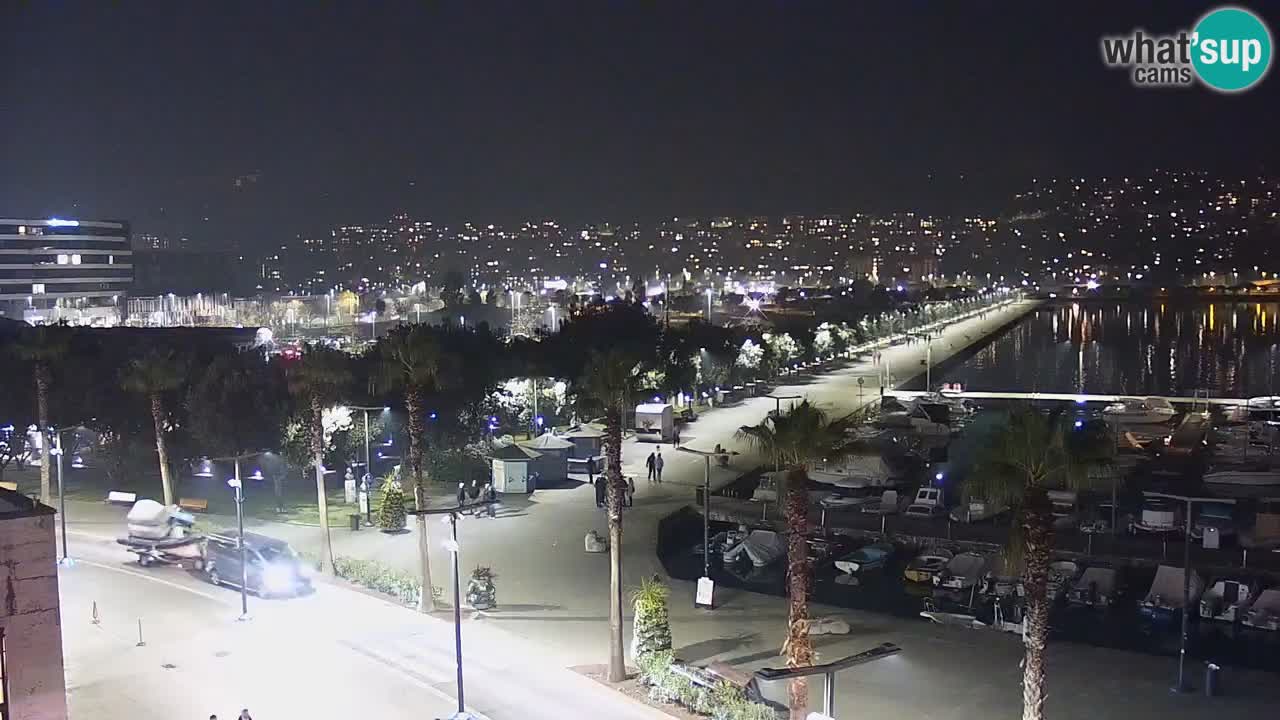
(30, 619)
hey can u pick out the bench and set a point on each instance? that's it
(193, 504)
(122, 498)
(9, 486)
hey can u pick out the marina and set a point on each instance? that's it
(894, 531)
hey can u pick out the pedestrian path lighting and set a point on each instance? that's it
(235, 484)
(1183, 685)
(828, 671)
(705, 595)
(56, 451)
(368, 461)
(452, 546)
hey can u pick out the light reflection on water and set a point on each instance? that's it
(1229, 349)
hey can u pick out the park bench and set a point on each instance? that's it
(193, 504)
(117, 497)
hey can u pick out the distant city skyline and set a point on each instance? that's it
(237, 125)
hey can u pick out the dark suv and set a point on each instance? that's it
(273, 568)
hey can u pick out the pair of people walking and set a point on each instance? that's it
(654, 464)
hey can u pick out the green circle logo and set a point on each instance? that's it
(1231, 49)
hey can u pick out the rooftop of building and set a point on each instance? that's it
(16, 505)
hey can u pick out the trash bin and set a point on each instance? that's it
(1211, 673)
(355, 522)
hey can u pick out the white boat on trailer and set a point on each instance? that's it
(1096, 588)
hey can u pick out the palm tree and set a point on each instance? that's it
(797, 438)
(413, 361)
(152, 375)
(320, 379)
(608, 379)
(44, 347)
(1016, 466)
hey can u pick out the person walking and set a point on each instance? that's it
(675, 437)
(631, 491)
(650, 464)
(491, 500)
(244, 714)
(657, 466)
(600, 481)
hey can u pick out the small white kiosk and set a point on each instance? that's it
(512, 466)
(588, 441)
(655, 422)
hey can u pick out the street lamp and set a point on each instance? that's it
(1182, 685)
(708, 306)
(777, 400)
(236, 484)
(452, 546)
(368, 461)
(705, 596)
(56, 451)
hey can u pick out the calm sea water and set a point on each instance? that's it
(1228, 349)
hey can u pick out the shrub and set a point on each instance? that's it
(391, 513)
(723, 701)
(404, 587)
(652, 623)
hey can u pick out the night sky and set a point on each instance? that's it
(276, 118)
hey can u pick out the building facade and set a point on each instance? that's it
(55, 269)
(32, 685)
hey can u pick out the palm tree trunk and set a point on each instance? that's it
(322, 498)
(615, 483)
(799, 646)
(42, 414)
(1037, 529)
(413, 406)
(162, 452)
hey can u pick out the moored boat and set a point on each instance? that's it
(1226, 600)
(1168, 595)
(1140, 411)
(927, 564)
(1264, 614)
(1096, 588)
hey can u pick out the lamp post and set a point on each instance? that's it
(56, 451)
(708, 306)
(452, 546)
(777, 399)
(368, 459)
(237, 485)
(706, 586)
(1183, 685)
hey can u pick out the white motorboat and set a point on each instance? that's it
(963, 572)
(1062, 574)
(1256, 475)
(1226, 600)
(762, 547)
(927, 564)
(1096, 588)
(927, 503)
(1140, 411)
(1264, 614)
(1265, 402)
(1158, 516)
(1065, 507)
(854, 473)
(1168, 595)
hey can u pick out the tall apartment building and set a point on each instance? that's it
(58, 269)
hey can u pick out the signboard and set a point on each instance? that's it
(704, 598)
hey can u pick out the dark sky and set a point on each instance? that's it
(602, 109)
